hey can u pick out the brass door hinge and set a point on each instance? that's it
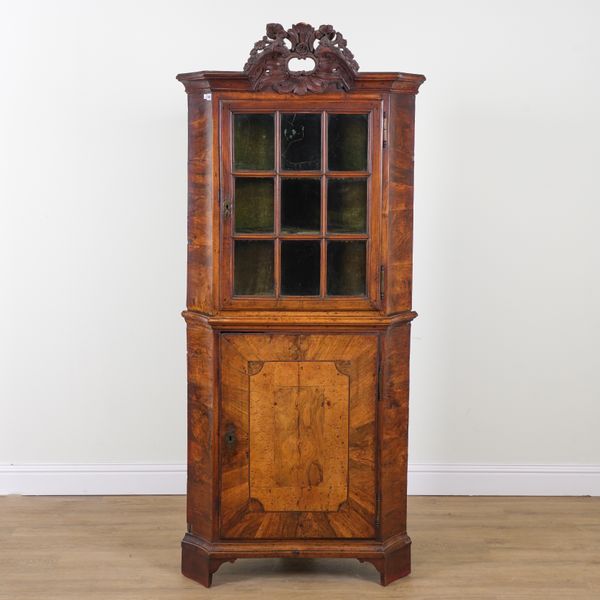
(381, 281)
(385, 130)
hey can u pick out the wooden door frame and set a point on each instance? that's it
(372, 299)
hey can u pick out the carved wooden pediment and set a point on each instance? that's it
(324, 49)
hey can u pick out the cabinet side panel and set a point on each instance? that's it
(200, 205)
(393, 424)
(201, 435)
(398, 296)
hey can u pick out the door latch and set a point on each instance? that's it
(226, 208)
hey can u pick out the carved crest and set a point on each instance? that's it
(325, 48)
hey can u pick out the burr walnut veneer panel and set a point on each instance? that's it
(296, 410)
(298, 419)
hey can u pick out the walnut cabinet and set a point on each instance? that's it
(299, 307)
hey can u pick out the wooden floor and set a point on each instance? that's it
(128, 548)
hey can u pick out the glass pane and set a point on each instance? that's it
(300, 205)
(346, 268)
(347, 205)
(301, 142)
(253, 268)
(300, 268)
(253, 141)
(253, 205)
(348, 142)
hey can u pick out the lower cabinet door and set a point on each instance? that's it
(297, 436)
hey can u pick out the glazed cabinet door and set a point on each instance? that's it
(298, 436)
(301, 205)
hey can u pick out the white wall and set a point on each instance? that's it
(506, 356)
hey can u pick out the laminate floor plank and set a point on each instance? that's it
(127, 548)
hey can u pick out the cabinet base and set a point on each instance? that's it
(200, 559)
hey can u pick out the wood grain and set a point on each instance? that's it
(299, 436)
(202, 419)
(237, 81)
(398, 201)
(333, 470)
(338, 321)
(201, 214)
(465, 548)
(393, 430)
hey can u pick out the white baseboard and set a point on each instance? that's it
(92, 479)
(423, 479)
(503, 480)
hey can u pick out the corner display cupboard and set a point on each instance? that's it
(299, 306)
